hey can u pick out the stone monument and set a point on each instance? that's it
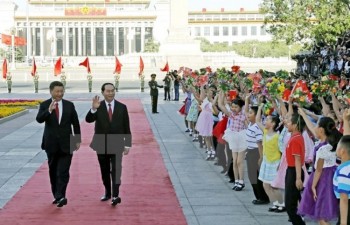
(179, 48)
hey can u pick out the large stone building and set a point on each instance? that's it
(116, 27)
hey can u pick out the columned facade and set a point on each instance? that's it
(85, 38)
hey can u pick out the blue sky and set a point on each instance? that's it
(199, 4)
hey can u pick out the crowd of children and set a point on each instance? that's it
(297, 158)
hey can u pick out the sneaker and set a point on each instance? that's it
(187, 130)
(190, 134)
(195, 139)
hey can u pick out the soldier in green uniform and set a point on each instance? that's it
(154, 92)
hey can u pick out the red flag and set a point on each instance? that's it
(6, 39)
(166, 68)
(58, 67)
(33, 68)
(86, 64)
(19, 41)
(142, 66)
(286, 95)
(4, 69)
(301, 84)
(118, 66)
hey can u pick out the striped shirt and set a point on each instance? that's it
(253, 135)
(341, 180)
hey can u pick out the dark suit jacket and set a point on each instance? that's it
(110, 137)
(59, 136)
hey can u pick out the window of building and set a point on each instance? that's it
(216, 31)
(99, 41)
(225, 31)
(234, 31)
(197, 31)
(262, 31)
(206, 31)
(253, 30)
(244, 31)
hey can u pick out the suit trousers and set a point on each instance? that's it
(59, 165)
(293, 196)
(252, 158)
(111, 169)
(154, 103)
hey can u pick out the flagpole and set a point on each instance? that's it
(13, 66)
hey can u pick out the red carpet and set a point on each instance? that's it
(148, 197)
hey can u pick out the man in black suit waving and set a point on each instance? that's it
(59, 141)
(111, 140)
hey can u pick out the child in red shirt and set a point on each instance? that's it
(295, 154)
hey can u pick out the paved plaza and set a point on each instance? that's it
(203, 192)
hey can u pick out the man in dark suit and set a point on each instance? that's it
(153, 85)
(59, 141)
(111, 140)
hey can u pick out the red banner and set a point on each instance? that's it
(85, 11)
(7, 40)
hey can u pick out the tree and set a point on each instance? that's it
(306, 20)
(151, 46)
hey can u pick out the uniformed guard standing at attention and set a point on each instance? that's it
(154, 92)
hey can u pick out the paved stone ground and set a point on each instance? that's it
(203, 192)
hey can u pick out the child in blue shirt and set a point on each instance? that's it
(341, 179)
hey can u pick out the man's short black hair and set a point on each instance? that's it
(55, 84)
(104, 86)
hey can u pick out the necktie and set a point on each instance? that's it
(110, 112)
(57, 111)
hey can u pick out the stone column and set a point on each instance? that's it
(54, 40)
(34, 40)
(74, 42)
(104, 39)
(93, 41)
(67, 40)
(42, 39)
(29, 42)
(79, 41)
(84, 41)
(116, 40)
(142, 37)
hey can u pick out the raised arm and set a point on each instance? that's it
(346, 120)
(214, 105)
(325, 107)
(336, 107)
(222, 105)
(308, 122)
(246, 104)
(258, 117)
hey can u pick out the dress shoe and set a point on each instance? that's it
(280, 209)
(260, 202)
(155, 112)
(61, 202)
(54, 202)
(116, 200)
(105, 198)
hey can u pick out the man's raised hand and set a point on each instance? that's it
(52, 106)
(95, 102)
